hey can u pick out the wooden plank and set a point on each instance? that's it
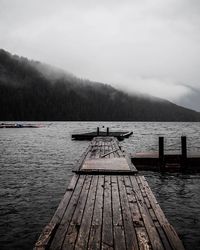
(72, 232)
(49, 230)
(89, 154)
(163, 236)
(166, 231)
(149, 225)
(62, 229)
(169, 233)
(83, 236)
(94, 149)
(114, 154)
(118, 228)
(130, 235)
(116, 145)
(109, 153)
(131, 166)
(135, 213)
(143, 239)
(65, 201)
(45, 237)
(102, 151)
(107, 229)
(106, 164)
(99, 146)
(95, 232)
(142, 236)
(156, 207)
(173, 237)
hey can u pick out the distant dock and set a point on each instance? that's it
(108, 205)
(173, 161)
(120, 135)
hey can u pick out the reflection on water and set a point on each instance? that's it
(35, 167)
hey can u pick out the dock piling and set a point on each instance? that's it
(97, 131)
(161, 152)
(107, 131)
(183, 151)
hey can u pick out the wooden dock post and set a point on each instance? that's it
(107, 131)
(97, 131)
(161, 152)
(183, 151)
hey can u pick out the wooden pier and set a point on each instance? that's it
(108, 205)
(174, 161)
(120, 135)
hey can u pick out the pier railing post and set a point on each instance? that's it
(107, 131)
(183, 151)
(97, 131)
(161, 152)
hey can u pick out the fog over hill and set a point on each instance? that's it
(191, 99)
(30, 90)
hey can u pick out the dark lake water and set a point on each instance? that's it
(36, 164)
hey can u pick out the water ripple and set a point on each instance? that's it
(36, 164)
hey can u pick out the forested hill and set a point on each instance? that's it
(33, 91)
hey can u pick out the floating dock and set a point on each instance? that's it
(120, 135)
(170, 162)
(108, 205)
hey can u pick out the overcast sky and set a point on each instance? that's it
(150, 46)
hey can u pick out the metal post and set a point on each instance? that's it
(97, 131)
(107, 132)
(183, 151)
(161, 152)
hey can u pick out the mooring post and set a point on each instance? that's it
(97, 131)
(161, 152)
(183, 151)
(107, 132)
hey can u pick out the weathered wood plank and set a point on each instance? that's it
(106, 164)
(109, 152)
(83, 236)
(142, 236)
(173, 237)
(73, 230)
(130, 235)
(45, 237)
(99, 148)
(118, 227)
(95, 232)
(48, 232)
(112, 155)
(135, 213)
(96, 162)
(107, 229)
(163, 236)
(150, 227)
(154, 203)
(62, 229)
(143, 239)
(156, 213)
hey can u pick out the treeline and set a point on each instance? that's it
(28, 95)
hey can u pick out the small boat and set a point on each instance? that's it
(20, 125)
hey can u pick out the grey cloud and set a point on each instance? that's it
(145, 46)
